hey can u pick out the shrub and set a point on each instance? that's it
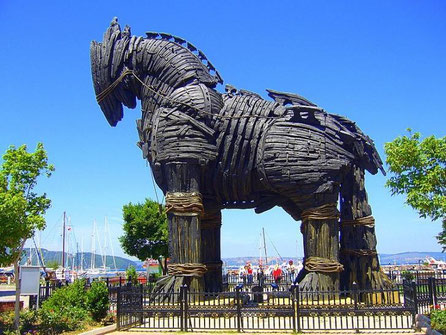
(131, 274)
(407, 275)
(6, 321)
(28, 322)
(438, 320)
(97, 300)
(65, 310)
(56, 321)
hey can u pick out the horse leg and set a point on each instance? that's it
(211, 246)
(184, 208)
(358, 239)
(320, 229)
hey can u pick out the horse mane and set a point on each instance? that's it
(185, 44)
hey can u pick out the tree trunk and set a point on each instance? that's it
(17, 296)
(184, 230)
(358, 241)
(211, 248)
(17, 286)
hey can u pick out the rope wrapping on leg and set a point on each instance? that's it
(184, 203)
(187, 270)
(360, 252)
(324, 212)
(320, 264)
(368, 221)
(327, 212)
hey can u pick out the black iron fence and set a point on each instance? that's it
(256, 309)
(398, 276)
(257, 279)
(430, 294)
(280, 306)
(47, 289)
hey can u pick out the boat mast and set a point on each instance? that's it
(82, 254)
(107, 232)
(104, 249)
(93, 247)
(63, 244)
(264, 246)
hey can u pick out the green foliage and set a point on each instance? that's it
(145, 230)
(407, 275)
(21, 209)
(52, 265)
(438, 320)
(61, 320)
(131, 274)
(97, 300)
(65, 310)
(419, 172)
(28, 322)
(6, 321)
(68, 308)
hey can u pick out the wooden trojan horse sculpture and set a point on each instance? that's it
(210, 151)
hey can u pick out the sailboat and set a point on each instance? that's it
(103, 270)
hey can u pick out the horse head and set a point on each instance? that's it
(110, 70)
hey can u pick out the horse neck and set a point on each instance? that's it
(149, 65)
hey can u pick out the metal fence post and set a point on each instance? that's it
(415, 302)
(181, 299)
(430, 287)
(186, 306)
(356, 297)
(141, 303)
(293, 305)
(239, 312)
(47, 289)
(118, 309)
(296, 316)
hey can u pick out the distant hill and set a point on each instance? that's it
(56, 256)
(413, 257)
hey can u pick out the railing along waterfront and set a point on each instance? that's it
(397, 276)
(289, 309)
(271, 306)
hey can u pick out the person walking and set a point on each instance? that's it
(249, 273)
(291, 269)
(277, 274)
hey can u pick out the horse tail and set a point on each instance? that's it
(360, 145)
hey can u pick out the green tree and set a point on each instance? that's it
(21, 208)
(419, 172)
(52, 265)
(145, 231)
(131, 275)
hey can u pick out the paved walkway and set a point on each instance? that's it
(269, 332)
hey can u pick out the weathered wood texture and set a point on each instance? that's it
(184, 231)
(251, 152)
(321, 239)
(210, 249)
(363, 269)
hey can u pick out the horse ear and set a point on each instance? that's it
(114, 21)
(126, 31)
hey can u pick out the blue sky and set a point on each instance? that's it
(380, 63)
